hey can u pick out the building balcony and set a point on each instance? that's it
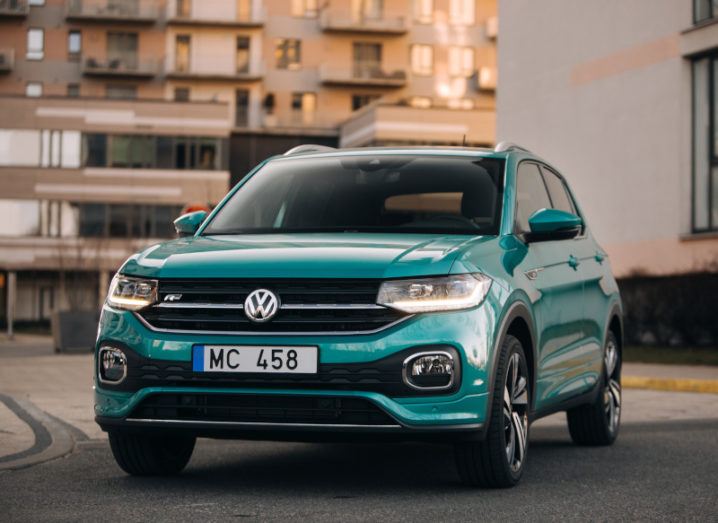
(112, 11)
(492, 27)
(362, 76)
(254, 19)
(7, 60)
(344, 23)
(300, 122)
(384, 123)
(117, 67)
(14, 8)
(216, 73)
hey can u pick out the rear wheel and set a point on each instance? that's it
(151, 455)
(498, 461)
(598, 423)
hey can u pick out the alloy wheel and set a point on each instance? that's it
(612, 390)
(515, 412)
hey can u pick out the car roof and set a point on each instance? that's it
(402, 150)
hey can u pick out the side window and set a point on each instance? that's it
(556, 188)
(531, 194)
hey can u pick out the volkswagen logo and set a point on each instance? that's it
(261, 305)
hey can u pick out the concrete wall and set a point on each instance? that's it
(602, 91)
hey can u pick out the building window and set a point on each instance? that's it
(183, 8)
(304, 108)
(461, 61)
(181, 94)
(122, 50)
(182, 53)
(367, 9)
(35, 44)
(242, 58)
(35, 2)
(305, 8)
(704, 10)
(462, 12)
(73, 90)
(422, 59)
(121, 92)
(367, 60)
(360, 100)
(705, 144)
(152, 152)
(33, 89)
(424, 11)
(241, 108)
(288, 53)
(74, 44)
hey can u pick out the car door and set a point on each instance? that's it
(586, 358)
(551, 271)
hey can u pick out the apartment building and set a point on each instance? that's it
(114, 114)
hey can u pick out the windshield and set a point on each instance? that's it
(382, 193)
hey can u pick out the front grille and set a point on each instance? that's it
(307, 306)
(255, 408)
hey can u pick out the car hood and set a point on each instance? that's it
(340, 255)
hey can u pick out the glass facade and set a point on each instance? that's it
(61, 219)
(153, 152)
(705, 144)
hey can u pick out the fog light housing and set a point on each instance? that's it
(435, 370)
(112, 365)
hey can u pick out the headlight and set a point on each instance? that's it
(446, 293)
(131, 293)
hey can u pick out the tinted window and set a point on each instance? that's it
(531, 194)
(384, 193)
(556, 188)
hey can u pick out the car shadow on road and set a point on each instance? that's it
(337, 470)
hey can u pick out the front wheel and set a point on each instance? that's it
(598, 423)
(498, 461)
(151, 455)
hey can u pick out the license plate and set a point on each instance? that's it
(243, 358)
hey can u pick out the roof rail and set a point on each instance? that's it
(509, 146)
(308, 148)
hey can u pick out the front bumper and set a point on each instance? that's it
(462, 409)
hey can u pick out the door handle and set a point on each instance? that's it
(573, 262)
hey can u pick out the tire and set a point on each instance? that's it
(597, 424)
(149, 455)
(494, 462)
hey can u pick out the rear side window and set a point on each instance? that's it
(557, 190)
(531, 194)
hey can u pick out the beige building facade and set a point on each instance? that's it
(116, 114)
(621, 98)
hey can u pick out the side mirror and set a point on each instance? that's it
(187, 224)
(552, 224)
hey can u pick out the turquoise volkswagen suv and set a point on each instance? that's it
(449, 294)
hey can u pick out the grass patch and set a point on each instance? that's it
(672, 355)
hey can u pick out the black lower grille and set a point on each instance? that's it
(307, 306)
(252, 408)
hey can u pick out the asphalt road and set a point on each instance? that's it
(656, 471)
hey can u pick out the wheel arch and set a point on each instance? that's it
(517, 321)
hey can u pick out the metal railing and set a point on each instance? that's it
(257, 16)
(362, 73)
(113, 9)
(14, 7)
(118, 66)
(331, 21)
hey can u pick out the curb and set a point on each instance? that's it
(670, 384)
(52, 438)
